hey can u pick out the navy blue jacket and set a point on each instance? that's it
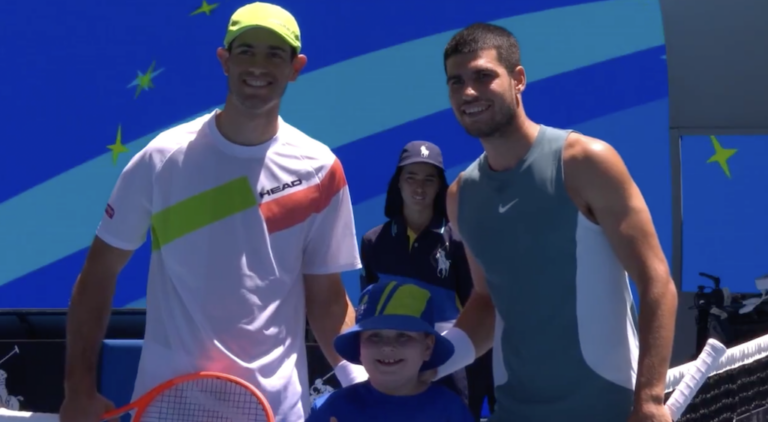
(436, 258)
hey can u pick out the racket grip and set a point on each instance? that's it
(704, 366)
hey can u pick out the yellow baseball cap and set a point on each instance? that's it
(264, 15)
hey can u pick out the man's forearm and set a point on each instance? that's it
(327, 322)
(328, 318)
(472, 334)
(477, 320)
(87, 321)
(658, 310)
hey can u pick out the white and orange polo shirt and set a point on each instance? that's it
(233, 230)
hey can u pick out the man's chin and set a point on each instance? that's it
(477, 132)
(483, 131)
(255, 105)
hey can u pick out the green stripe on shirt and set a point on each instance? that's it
(201, 210)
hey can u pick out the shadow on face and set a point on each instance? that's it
(483, 94)
(259, 64)
(419, 184)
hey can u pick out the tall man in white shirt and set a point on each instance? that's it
(251, 223)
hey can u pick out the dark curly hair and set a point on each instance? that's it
(485, 36)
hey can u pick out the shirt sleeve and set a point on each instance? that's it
(331, 245)
(128, 213)
(368, 274)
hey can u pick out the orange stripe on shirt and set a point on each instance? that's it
(296, 207)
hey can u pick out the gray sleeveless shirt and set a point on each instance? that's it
(565, 346)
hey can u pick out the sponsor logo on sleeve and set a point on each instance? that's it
(109, 211)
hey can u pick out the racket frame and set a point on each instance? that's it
(145, 400)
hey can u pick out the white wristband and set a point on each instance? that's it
(463, 355)
(349, 374)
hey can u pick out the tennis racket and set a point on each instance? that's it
(199, 397)
(705, 365)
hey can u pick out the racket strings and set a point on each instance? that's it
(205, 400)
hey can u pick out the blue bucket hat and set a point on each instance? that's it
(394, 306)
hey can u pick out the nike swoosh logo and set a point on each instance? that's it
(502, 209)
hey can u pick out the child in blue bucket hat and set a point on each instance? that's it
(394, 339)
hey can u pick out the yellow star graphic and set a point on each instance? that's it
(144, 81)
(205, 8)
(721, 156)
(118, 147)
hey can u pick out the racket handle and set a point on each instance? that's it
(115, 414)
(704, 366)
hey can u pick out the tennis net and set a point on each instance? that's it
(738, 387)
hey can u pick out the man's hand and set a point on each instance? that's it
(87, 321)
(88, 408)
(650, 413)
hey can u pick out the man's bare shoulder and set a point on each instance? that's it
(452, 202)
(592, 167)
(584, 153)
(579, 147)
(453, 188)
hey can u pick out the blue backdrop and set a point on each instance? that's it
(725, 210)
(91, 82)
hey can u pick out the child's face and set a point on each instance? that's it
(393, 358)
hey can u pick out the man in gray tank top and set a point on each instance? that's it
(553, 223)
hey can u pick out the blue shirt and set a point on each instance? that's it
(362, 402)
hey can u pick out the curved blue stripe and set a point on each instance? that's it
(375, 95)
(635, 79)
(367, 27)
(640, 143)
(333, 112)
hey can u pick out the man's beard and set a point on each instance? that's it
(500, 123)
